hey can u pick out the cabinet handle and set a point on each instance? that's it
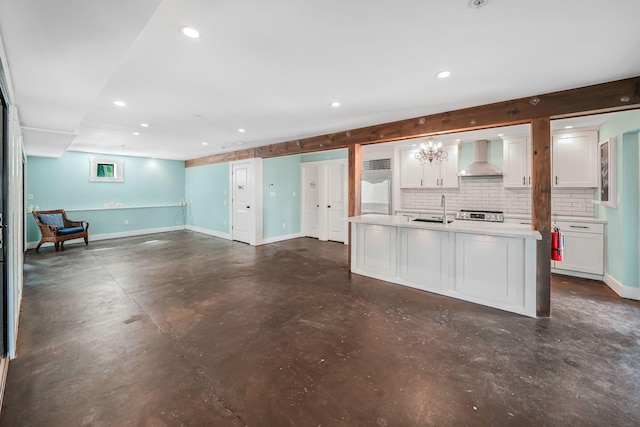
(524, 180)
(421, 182)
(329, 206)
(529, 180)
(577, 226)
(556, 179)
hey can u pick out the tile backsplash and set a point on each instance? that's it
(488, 193)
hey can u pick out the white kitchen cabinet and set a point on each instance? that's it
(575, 159)
(583, 254)
(437, 174)
(422, 270)
(583, 248)
(517, 162)
(411, 172)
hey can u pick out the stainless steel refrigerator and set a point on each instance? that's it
(376, 187)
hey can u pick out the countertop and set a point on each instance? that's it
(525, 217)
(459, 226)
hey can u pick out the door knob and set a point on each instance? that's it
(248, 207)
(317, 206)
(329, 206)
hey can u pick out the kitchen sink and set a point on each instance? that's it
(432, 219)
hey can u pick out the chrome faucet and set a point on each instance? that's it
(443, 203)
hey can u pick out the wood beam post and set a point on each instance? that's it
(355, 186)
(541, 210)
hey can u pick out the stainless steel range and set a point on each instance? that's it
(489, 216)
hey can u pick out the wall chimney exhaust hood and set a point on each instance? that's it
(480, 166)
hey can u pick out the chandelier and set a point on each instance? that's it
(431, 150)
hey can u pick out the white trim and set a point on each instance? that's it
(578, 274)
(118, 235)
(208, 232)
(281, 238)
(622, 290)
(106, 208)
(327, 162)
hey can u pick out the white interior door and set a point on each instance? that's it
(312, 201)
(336, 200)
(242, 196)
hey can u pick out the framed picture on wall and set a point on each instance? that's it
(607, 172)
(106, 170)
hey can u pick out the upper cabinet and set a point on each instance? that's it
(517, 162)
(575, 159)
(437, 174)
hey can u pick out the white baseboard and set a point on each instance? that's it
(280, 238)
(624, 291)
(107, 236)
(578, 274)
(209, 232)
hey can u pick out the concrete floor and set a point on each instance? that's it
(185, 329)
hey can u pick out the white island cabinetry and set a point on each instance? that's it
(492, 264)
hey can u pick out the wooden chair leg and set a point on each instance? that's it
(38, 247)
(57, 245)
(86, 240)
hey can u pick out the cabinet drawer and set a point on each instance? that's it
(580, 227)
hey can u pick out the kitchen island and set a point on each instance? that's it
(492, 264)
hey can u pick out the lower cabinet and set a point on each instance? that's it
(490, 268)
(496, 271)
(424, 258)
(583, 254)
(583, 248)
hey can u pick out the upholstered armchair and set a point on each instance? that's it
(56, 228)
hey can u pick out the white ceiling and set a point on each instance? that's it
(273, 67)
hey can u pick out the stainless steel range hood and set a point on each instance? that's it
(480, 165)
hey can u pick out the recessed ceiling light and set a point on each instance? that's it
(414, 145)
(568, 127)
(192, 33)
(239, 143)
(120, 103)
(443, 74)
(144, 125)
(477, 4)
(458, 140)
(136, 133)
(205, 143)
(241, 130)
(501, 134)
(335, 104)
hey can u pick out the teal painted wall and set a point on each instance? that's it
(63, 183)
(342, 153)
(207, 195)
(494, 154)
(281, 177)
(622, 222)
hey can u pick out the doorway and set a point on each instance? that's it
(324, 200)
(246, 201)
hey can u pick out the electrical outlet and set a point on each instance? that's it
(284, 225)
(294, 194)
(272, 194)
(225, 222)
(126, 222)
(29, 196)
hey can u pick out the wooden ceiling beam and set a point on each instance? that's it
(617, 95)
(249, 153)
